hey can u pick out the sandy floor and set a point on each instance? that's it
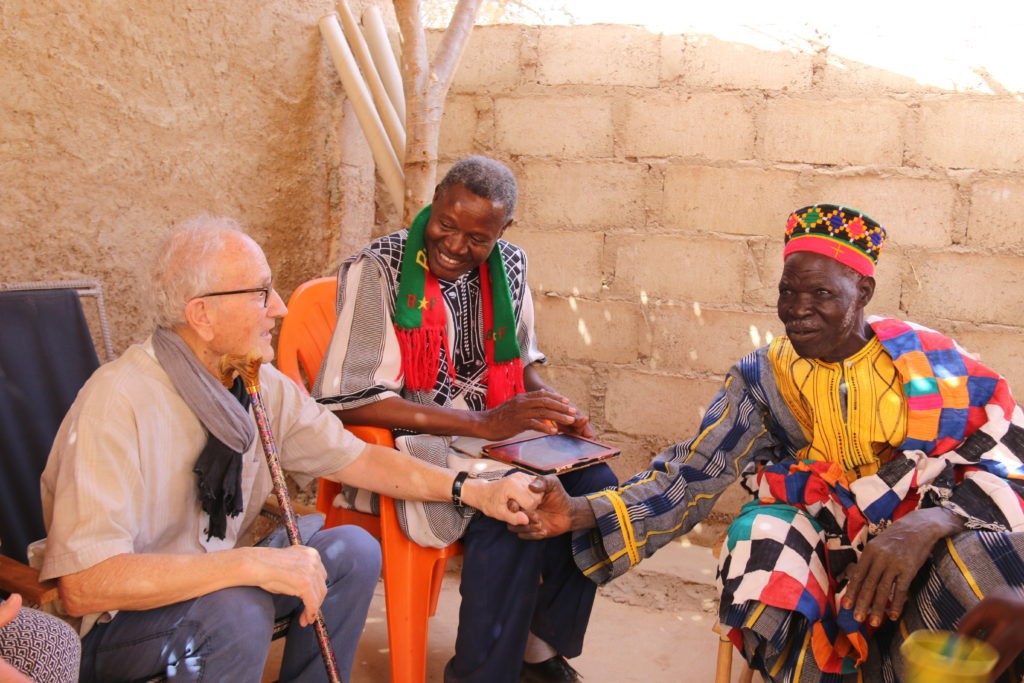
(652, 625)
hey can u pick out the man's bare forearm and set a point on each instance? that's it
(399, 413)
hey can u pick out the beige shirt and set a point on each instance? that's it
(119, 477)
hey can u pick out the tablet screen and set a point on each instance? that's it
(548, 452)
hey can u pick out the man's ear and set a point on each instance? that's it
(865, 290)
(198, 318)
(505, 227)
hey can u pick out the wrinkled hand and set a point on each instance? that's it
(9, 609)
(543, 411)
(508, 499)
(890, 561)
(997, 620)
(295, 570)
(557, 513)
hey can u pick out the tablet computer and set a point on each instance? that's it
(550, 453)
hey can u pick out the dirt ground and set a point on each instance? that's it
(652, 625)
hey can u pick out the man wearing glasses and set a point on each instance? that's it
(154, 483)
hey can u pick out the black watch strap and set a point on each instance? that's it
(460, 479)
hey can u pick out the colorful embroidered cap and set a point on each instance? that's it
(846, 235)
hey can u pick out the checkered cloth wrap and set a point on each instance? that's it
(963, 451)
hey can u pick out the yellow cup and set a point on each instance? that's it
(945, 657)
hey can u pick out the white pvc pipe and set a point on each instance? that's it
(383, 154)
(393, 126)
(384, 57)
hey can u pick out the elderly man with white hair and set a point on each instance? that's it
(155, 480)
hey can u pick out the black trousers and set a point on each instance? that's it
(510, 587)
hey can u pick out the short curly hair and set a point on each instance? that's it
(484, 177)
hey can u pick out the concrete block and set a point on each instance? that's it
(664, 405)
(948, 134)
(894, 274)
(635, 455)
(987, 287)
(832, 131)
(997, 348)
(703, 61)
(597, 55)
(665, 124)
(916, 212)
(588, 193)
(567, 262)
(678, 268)
(580, 330)
(699, 339)
(739, 201)
(575, 382)
(565, 127)
(492, 62)
(459, 127)
(994, 220)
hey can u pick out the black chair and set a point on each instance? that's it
(46, 354)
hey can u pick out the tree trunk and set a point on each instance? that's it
(426, 83)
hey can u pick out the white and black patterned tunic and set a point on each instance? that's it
(363, 362)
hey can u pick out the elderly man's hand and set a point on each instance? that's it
(557, 513)
(296, 570)
(880, 580)
(997, 620)
(509, 499)
(542, 410)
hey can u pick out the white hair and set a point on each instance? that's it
(184, 265)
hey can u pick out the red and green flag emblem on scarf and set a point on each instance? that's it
(420, 321)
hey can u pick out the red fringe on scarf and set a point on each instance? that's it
(421, 356)
(504, 380)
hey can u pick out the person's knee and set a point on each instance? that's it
(349, 553)
(238, 620)
(589, 479)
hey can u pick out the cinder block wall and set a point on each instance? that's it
(657, 172)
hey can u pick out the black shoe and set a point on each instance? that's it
(554, 670)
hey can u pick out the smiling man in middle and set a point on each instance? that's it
(435, 339)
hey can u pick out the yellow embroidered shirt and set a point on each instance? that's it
(852, 412)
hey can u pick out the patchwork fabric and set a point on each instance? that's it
(946, 389)
(981, 481)
(748, 422)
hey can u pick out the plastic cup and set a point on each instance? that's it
(945, 657)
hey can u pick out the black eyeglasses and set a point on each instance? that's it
(265, 291)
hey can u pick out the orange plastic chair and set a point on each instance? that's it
(412, 573)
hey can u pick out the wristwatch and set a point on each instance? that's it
(460, 478)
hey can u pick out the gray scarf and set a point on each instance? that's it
(224, 413)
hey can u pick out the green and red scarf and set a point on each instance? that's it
(421, 324)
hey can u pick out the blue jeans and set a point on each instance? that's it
(225, 635)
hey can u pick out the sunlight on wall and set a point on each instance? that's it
(755, 337)
(966, 47)
(581, 325)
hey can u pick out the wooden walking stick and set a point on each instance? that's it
(248, 368)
